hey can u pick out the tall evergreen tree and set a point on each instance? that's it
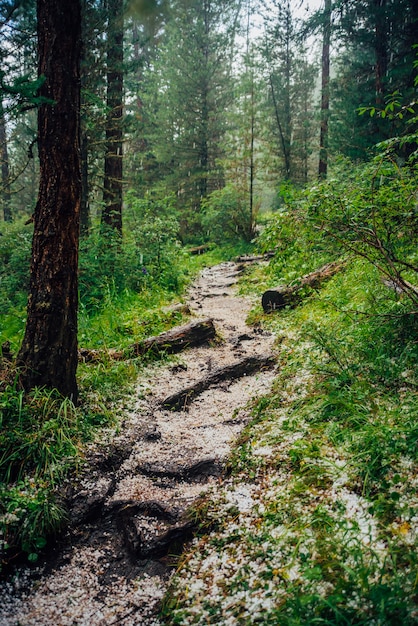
(49, 355)
(113, 164)
(4, 163)
(193, 91)
(290, 115)
(325, 76)
(377, 59)
(18, 95)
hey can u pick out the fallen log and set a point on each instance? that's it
(172, 341)
(201, 249)
(250, 364)
(256, 257)
(290, 295)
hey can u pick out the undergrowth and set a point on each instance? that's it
(317, 522)
(125, 297)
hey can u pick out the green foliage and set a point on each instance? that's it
(155, 230)
(149, 254)
(298, 247)
(40, 442)
(226, 215)
(372, 213)
(29, 514)
(15, 251)
(38, 432)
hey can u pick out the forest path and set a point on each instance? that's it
(128, 510)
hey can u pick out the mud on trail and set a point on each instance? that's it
(129, 508)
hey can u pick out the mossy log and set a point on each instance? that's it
(194, 333)
(290, 295)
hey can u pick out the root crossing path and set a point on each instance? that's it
(129, 510)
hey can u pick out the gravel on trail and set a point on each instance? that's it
(129, 509)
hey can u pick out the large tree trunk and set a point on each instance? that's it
(112, 194)
(49, 354)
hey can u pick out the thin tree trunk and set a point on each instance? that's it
(285, 149)
(84, 209)
(5, 174)
(48, 356)
(381, 50)
(113, 168)
(323, 139)
(203, 147)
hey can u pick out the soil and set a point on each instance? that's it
(130, 509)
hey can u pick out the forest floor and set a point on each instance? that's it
(129, 507)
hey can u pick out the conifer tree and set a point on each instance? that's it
(192, 93)
(48, 355)
(286, 70)
(113, 163)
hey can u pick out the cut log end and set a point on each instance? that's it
(290, 295)
(275, 299)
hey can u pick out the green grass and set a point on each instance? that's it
(42, 435)
(329, 466)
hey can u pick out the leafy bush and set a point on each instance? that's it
(298, 247)
(37, 432)
(226, 215)
(29, 513)
(372, 213)
(39, 442)
(15, 253)
(149, 253)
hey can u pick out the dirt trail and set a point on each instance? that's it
(128, 510)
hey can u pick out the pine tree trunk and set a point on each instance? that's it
(323, 139)
(48, 355)
(112, 194)
(84, 208)
(5, 175)
(381, 50)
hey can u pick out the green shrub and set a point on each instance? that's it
(371, 212)
(149, 253)
(29, 514)
(226, 215)
(15, 253)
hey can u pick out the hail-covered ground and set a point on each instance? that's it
(111, 568)
(292, 534)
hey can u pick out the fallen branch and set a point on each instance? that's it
(244, 367)
(290, 295)
(172, 341)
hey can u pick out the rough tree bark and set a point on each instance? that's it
(48, 356)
